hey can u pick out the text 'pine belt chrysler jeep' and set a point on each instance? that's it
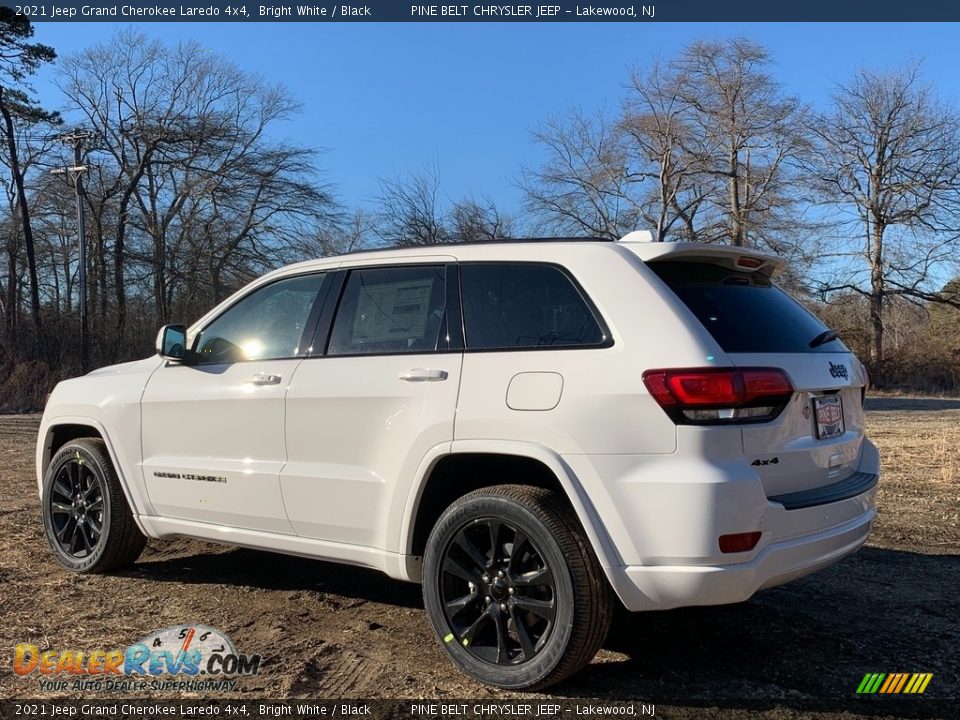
(532, 430)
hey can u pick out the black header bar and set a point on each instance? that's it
(558, 11)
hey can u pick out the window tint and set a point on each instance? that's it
(744, 312)
(266, 324)
(391, 310)
(524, 305)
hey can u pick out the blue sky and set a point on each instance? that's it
(385, 99)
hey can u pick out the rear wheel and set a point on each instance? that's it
(86, 518)
(512, 588)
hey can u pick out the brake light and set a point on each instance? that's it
(749, 262)
(739, 542)
(717, 395)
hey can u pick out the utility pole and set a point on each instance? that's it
(76, 171)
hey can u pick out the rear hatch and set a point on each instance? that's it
(815, 440)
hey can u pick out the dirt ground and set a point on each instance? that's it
(327, 631)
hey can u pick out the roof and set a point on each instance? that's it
(639, 242)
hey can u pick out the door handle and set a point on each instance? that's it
(264, 379)
(423, 375)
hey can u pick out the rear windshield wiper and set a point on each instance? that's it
(823, 338)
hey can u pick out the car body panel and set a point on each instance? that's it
(213, 443)
(356, 433)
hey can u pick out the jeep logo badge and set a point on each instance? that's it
(838, 371)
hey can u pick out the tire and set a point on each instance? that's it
(544, 617)
(81, 493)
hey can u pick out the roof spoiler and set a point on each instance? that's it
(642, 244)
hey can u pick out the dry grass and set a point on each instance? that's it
(919, 441)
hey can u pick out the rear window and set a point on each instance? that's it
(744, 312)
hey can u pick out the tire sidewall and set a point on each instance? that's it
(529, 672)
(69, 452)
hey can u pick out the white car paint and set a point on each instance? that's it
(330, 462)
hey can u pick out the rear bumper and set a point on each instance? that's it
(664, 587)
(664, 517)
(851, 487)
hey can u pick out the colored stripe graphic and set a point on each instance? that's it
(894, 683)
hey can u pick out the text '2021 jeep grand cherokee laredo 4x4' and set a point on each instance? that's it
(527, 428)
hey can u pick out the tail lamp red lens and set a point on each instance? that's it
(739, 542)
(733, 394)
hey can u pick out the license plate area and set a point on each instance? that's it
(828, 413)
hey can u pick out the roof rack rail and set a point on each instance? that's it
(519, 240)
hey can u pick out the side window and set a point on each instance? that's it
(524, 305)
(391, 310)
(266, 324)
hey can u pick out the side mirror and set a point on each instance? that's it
(172, 342)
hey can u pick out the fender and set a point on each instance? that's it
(599, 539)
(138, 501)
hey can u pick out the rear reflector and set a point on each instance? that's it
(739, 542)
(730, 394)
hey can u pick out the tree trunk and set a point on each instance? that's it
(119, 249)
(877, 299)
(24, 208)
(160, 282)
(736, 226)
(10, 315)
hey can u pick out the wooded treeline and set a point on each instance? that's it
(189, 194)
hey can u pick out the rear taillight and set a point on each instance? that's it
(720, 395)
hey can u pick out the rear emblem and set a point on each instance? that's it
(838, 371)
(760, 463)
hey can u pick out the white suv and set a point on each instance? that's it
(530, 429)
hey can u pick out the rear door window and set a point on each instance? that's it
(391, 311)
(524, 306)
(744, 312)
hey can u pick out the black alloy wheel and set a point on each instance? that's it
(86, 518)
(513, 589)
(498, 592)
(76, 508)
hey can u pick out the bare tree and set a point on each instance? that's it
(888, 161)
(585, 187)
(706, 147)
(655, 119)
(194, 196)
(749, 133)
(354, 234)
(19, 59)
(410, 211)
(472, 220)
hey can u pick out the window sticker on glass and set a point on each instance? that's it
(392, 310)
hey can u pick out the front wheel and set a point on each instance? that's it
(512, 588)
(87, 521)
